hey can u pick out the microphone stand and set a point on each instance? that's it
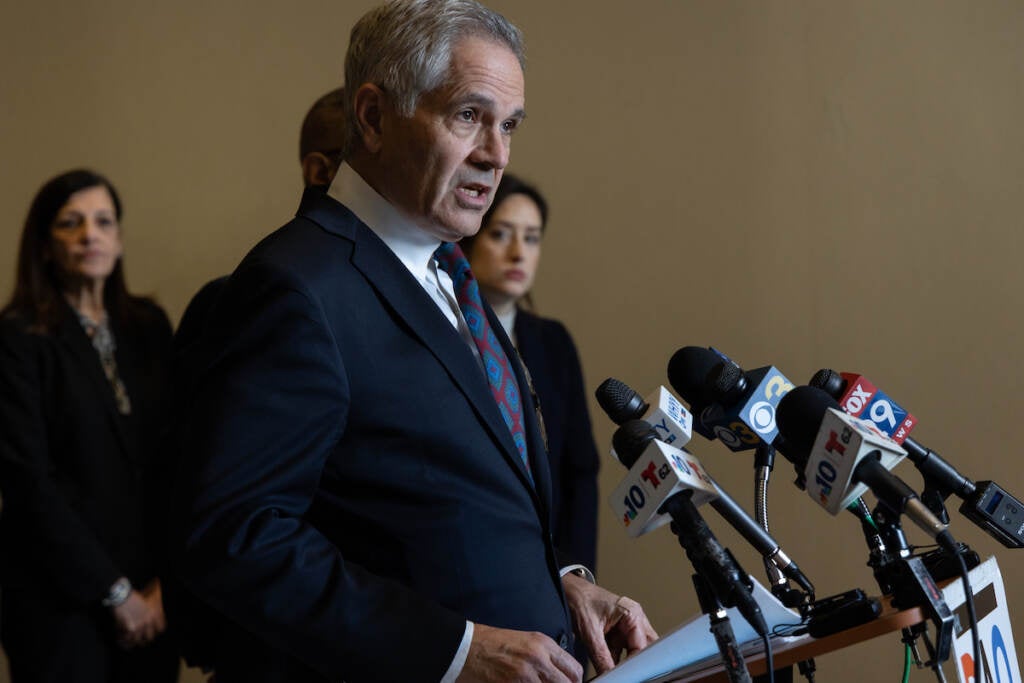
(708, 558)
(721, 629)
(934, 497)
(907, 579)
(764, 462)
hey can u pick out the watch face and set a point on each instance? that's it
(583, 573)
(118, 593)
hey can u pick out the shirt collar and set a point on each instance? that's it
(411, 244)
(508, 321)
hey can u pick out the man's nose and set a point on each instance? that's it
(492, 149)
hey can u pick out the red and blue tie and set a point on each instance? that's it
(500, 376)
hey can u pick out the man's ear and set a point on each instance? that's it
(370, 102)
(317, 169)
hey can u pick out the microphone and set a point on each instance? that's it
(663, 411)
(683, 485)
(657, 471)
(634, 435)
(742, 415)
(846, 457)
(985, 503)
(860, 398)
(736, 407)
(688, 369)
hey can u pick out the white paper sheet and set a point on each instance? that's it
(692, 641)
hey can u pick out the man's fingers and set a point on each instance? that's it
(598, 648)
(567, 664)
(652, 635)
(634, 625)
(159, 624)
(499, 656)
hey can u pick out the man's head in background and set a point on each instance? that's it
(322, 138)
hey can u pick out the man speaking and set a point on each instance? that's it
(363, 490)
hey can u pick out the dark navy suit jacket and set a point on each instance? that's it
(550, 355)
(349, 494)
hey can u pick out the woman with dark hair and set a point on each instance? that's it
(504, 257)
(83, 365)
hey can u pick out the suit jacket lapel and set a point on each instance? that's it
(414, 306)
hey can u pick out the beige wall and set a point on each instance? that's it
(805, 184)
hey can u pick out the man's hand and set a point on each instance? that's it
(499, 655)
(608, 623)
(140, 618)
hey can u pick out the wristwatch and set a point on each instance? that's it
(118, 593)
(580, 571)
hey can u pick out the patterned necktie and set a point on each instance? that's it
(500, 376)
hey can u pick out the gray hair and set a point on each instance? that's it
(405, 46)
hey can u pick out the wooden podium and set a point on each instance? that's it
(999, 654)
(789, 651)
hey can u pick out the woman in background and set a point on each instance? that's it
(504, 257)
(82, 375)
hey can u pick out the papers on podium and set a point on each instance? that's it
(692, 643)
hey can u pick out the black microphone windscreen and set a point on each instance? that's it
(798, 417)
(726, 382)
(620, 402)
(688, 371)
(631, 439)
(829, 381)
